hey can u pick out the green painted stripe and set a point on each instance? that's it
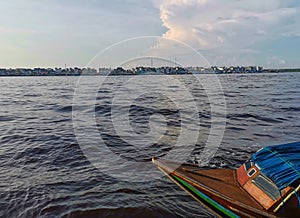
(205, 198)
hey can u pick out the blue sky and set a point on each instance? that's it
(51, 33)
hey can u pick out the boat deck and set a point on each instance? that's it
(221, 182)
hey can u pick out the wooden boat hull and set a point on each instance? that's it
(219, 191)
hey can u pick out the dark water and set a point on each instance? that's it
(44, 173)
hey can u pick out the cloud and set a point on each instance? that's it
(54, 32)
(229, 27)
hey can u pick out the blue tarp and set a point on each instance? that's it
(281, 163)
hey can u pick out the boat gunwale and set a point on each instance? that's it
(188, 192)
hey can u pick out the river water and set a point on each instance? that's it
(45, 171)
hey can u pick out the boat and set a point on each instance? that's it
(266, 185)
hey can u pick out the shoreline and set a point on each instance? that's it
(154, 74)
(141, 70)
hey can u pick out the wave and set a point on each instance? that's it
(120, 212)
(242, 116)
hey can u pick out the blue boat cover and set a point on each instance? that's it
(281, 163)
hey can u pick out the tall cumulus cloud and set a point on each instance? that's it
(229, 26)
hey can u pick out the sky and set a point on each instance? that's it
(52, 33)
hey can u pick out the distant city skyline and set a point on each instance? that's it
(53, 33)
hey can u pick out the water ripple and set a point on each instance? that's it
(44, 173)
